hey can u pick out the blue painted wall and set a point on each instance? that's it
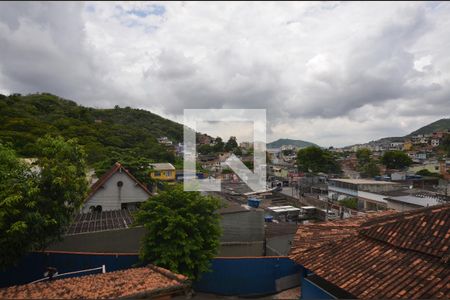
(33, 266)
(310, 290)
(229, 276)
(246, 276)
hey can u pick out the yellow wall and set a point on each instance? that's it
(407, 146)
(164, 175)
(429, 167)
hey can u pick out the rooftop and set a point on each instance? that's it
(402, 255)
(162, 166)
(363, 181)
(117, 167)
(414, 200)
(100, 221)
(142, 282)
(313, 235)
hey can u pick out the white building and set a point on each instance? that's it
(116, 189)
(368, 192)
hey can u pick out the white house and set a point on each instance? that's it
(116, 189)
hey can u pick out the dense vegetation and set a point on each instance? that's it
(183, 231)
(37, 201)
(367, 166)
(425, 172)
(351, 203)
(108, 135)
(396, 159)
(314, 159)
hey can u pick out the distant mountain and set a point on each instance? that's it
(281, 142)
(442, 124)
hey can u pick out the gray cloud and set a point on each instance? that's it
(333, 73)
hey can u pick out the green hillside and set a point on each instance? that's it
(280, 142)
(442, 124)
(107, 134)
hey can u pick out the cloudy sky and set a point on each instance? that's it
(330, 73)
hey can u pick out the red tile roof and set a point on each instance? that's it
(145, 282)
(404, 255)
(114, 169)
(314, 235)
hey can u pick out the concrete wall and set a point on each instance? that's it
(113, 241)
(110, 196)
(246, 226)
(242, 235)
(279, 245)
(377, 188)
(399, 206)
(241, 249)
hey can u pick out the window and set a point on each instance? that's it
(157, 174)
(119, 183)
(168, 173)
(98, 208)
(124, 206)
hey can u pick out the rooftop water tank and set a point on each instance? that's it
(253, 202)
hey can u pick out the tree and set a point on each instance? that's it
(314, 159)
(37, 201)
(396, 159)
(219, 145)
(425, 172)
(351, 203)
(366, 165)
(231, 144)
(363, 156)
(205, 149)
(237, 151)
(370, 169)
(183, 231)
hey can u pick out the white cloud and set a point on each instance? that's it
(332, 73)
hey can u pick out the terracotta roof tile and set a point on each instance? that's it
(402, 255)
(314, 235)
(135, 282)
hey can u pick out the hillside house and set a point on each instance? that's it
(116, 189)
(164, 140)
(163, 172)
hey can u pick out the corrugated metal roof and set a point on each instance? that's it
(162, 166)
